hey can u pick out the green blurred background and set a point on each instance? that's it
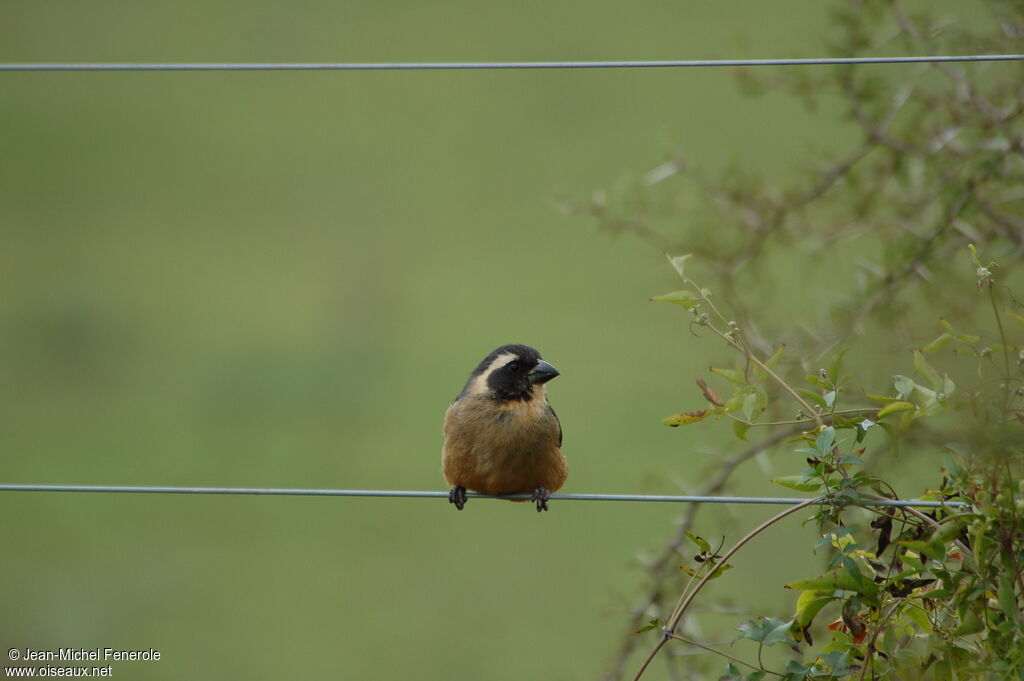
(282, 279)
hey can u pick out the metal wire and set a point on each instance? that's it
(449, 66)
(271, 491)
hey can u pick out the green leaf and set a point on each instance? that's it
(1008, 599)
(685, 298)
(740, 429)
(1015, 317)
(766, 630)
(796, 671)
(800, 483)
(905, 658)
(971, 624)
(825, 440)
(778, 631)
(809, 604)
(835, 366)
(720, 570)
(852, 569)
(812, 395)
(949, 530)
(732, 375)
(770, 363)
(974, 255)
(835, 579)
(815, 379)
(936, 550)
(748, 406)
(862, 429)
(715, 574)
(894, 437)
(938, 344)
(754, 402)
(654, 623)
(904, 386)
(702, 544)
(732, 673)
(685, 418)
(926, 370)
(893, 407)
(920, 618)
(678, 262)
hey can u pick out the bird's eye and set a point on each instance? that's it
(512, 366)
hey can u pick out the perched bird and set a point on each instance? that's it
(500, 435)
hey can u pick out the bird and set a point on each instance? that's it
(501, 435)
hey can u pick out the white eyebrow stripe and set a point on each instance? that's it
(480, 383)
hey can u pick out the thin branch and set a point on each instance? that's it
(719, 652)
(687, 599)
(659, 569)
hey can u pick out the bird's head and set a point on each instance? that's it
(510, 373)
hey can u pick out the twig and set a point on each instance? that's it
(687, 599)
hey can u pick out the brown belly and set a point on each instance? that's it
(502, 453)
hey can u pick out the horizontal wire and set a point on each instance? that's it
(271, 491)
(448, 66)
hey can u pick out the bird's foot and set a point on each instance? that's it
(457, 496)
(540, 497)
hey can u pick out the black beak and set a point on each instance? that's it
(542, 373)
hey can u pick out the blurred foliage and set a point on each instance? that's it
(933, 183)
(939, 592)
(936, 163)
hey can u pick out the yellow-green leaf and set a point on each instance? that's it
(971, 624)
(718, 572)
(926, 370)
(801, 483)
(808, 605)
(937, 344)
(679, 261)
(685, 298)
(894, 407)
(835, 579)
(654, 623)
(685, 418)
(1016, 317)
(732, 375)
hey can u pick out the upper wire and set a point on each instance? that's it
(449, 66)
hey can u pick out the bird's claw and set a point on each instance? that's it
(457, 496)
(540, 497)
